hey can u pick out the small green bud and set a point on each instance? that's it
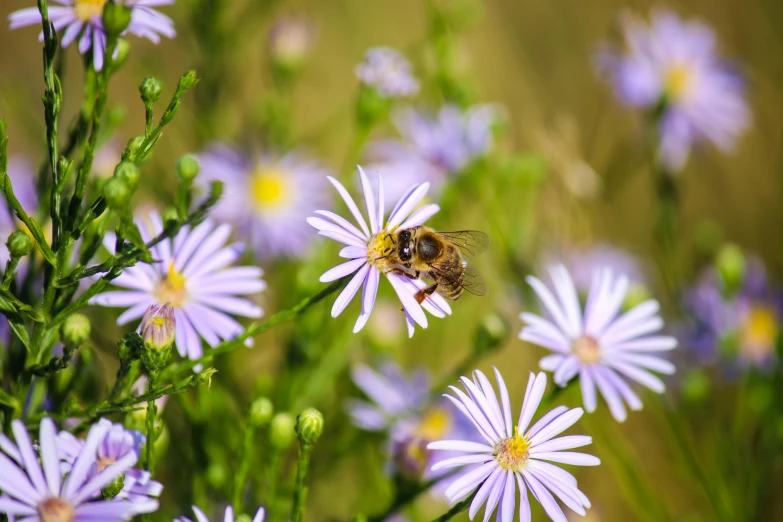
(127, 172)
(261, 412)
(121, 53)
(116, 193)
(134, 145)
(281, 431)
(150, 90)
(113, 488)
(491, 332)
(244, 518)
(116, 18)
(309, 426)
(75, 330)
(130, 347)
(19, 243)
(170, 215)
(187, 168)
(696, 386)
(731, 266)
(217, 474)
(187, 81)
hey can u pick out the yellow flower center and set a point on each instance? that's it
(55, 509)
(434, 425)
(104, 463)
(678, 82)
(380, 247)
(269, 189)
(759, 332)
(513, 452)
(88, 9)
(172, 288)
(587, 349)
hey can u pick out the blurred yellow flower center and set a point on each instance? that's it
(587, 349)
(678, 82)
(172, 288)
(434, 424)
(759, 332)
(513, 452)
(104, 463)
(268, 188)
(88, 9)
(379, 248)
(55, 509)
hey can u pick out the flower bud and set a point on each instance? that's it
(121, 53)
(187, 168)
(116, 18)
(130, 347)
(75, 330)
(309, 426)
(133, 146)
(281, 431)
(261, 412)
(116, 193)
(158, 327)
(490, 333)
(170, 215)
(731, 265)
(290, 43)
(127, 172)
(113, 488)
(187, 81)
(19, 243)
(150, 90)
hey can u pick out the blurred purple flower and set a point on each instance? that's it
(191, 272)
(267, 200)
(388, 72)
(741, 329)
(365, 247)
(138, 485)
(432, 147)
(46, 490)
(403, 408)
(582, 264)
(291, 41)
(673, 64)
(82, 19)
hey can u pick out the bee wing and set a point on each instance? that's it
(471, 242)
(473, 282)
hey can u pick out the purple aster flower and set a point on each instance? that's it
(82, 19)
(742, 328)
(267, 200)
(601, 345)
(46, 491)
(192, 273)
(673, 64)
(388, 72)
(433, 147)
(365, 246)
(514, 457)
(118, 442)
(402, 407)
(227, 517)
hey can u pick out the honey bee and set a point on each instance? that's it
(438, 256)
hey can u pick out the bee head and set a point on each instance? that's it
(404, 245)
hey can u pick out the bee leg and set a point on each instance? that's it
(400, 271)
(424, 293)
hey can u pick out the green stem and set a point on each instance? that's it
(300, 487)
(409, 495)
(152, 412)
(244, 466)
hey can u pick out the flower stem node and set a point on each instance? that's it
(187, 168)
(309, 426)
(261, 412)
(281, 431)
(116, 18)
(117, 193)
(128, 172)
(19, 244)
(75, 330)
(150, 90)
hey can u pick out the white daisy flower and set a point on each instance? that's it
(515, 457)
(599, 344)
(367, 249)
